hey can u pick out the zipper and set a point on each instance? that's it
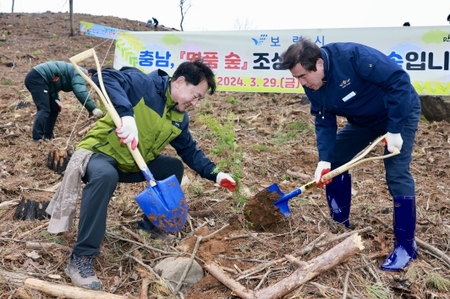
(325, 83)
(162, 144)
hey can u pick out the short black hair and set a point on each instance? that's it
(304, 52)
(195, 72)
(92, 71)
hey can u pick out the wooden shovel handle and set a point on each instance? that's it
(109, 106)
(359, 159)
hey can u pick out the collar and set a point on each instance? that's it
(326, 63)
(170, 101)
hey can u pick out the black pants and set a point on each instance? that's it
(47, 109)
(101, 178)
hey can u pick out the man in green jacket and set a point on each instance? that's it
(153, 111)
(44, 82)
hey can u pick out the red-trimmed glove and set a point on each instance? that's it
(323, 167)
(225, 180)
(128, 132)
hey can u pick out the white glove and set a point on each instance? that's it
(97, 112)
(394, 140)
(321, 166)
(128, 132)
(225, 180)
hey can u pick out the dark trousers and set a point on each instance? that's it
(101, 178)
(351, 139)
(47, 109)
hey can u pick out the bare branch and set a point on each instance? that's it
(183, 11)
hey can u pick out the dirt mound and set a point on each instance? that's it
(274, 143)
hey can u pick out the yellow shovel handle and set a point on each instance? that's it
(108, 104)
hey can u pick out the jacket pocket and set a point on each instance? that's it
(376, 69)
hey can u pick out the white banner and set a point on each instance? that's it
(91, 29)
(249, 60)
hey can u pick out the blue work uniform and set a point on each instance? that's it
(376, 96)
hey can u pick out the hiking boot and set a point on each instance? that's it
(80, 269)
(155, 232)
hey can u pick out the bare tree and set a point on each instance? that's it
(12, 8)
(183, 10)
(72, 30)
(243, 25)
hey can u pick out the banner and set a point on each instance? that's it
(91, 29)
(249, 60)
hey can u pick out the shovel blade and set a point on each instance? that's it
(275, 188)
(164, 204)
(282, 203)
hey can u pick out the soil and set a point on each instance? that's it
(261, 211)
(275, 138)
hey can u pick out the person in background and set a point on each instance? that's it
(44, 82)
(153, 110)
(376, 96)
(155, 23)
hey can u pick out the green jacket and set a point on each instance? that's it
(147, 98)
(62, 76)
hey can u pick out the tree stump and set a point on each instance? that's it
(31, 210)
(57, 160)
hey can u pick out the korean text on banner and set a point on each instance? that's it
(249, 60)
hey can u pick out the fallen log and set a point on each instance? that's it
(13, 202)
(84, 130)
(58, 290)
(306, 272)
(46, 246)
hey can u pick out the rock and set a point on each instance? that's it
(172, 268)
(435, 108)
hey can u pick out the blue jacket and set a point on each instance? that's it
(147, 98)
(363, 85)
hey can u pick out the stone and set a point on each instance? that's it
(172, 268)
(435, 108)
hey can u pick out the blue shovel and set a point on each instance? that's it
(163, 202)
(282, 203)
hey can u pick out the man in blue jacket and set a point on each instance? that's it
(44, 82)
(375, 94)
(153, 111)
